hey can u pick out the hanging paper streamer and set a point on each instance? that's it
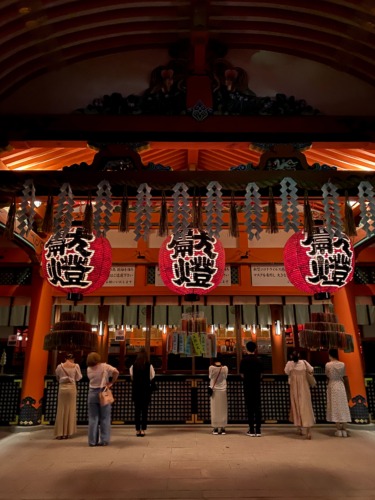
(26, 212)
(103, 208)
(349, 222)
(143, 212)
(163, 220)
(214, 209)
(88, 217)
(123, 225)
(64, 211)
(196, 343)
(11, 219)
(197, 212)
(181, 210)
(233, 219)
(367, 205)
(289, 203)
(331, 204)
(253, 211)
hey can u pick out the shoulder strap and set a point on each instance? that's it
(217, 376)
(66, 373)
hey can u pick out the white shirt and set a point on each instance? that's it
(68, 373)
(300, 365)
(221, 382)
(152, 372)
(95, 374)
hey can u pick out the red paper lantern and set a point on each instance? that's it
(319, 264)
(192, 265)
(78, 263)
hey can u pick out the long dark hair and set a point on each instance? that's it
(141, 360)
(295, 356)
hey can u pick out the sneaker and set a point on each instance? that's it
(344, 434)
(258, 435)
(222, 431)
(215, 431)
(248, 433)
(339, 434)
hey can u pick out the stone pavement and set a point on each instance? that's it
(188, 462)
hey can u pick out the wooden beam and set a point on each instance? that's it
(114, 129)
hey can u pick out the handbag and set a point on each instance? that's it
(106, 395)
(210, 390)
(310, 377)
(345, 379)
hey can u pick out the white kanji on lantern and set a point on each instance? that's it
(193, 263)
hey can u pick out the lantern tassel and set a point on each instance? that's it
(163, 221)
(349, 223)
(197, 213)
(233, 220)
(88, 218)
(123, 225)
(272, 216)
(11, 219)
(308, 223)
(47, 226)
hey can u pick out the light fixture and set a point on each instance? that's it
(164, 330)
(37, 203)
(277, 327)
(101, 332)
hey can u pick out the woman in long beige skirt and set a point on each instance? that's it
(219, 406)
(67, 374)
(301, 410)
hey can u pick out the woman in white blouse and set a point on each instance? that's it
(99, 375)
(67, 374)
(219, 406)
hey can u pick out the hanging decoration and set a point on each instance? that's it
(47, 226)
(253, 211)
(76, 263)
(319, 265)
(26, 212)
(349, 223)
(123, 225)
(197, 221)
(88, 217)
(331, 204)
(64, 211)
(289, 204)
(271, 214)
(181, 210)
(325, 332)
(214, 209)
(191, 265)
(163, 220)
(11, 219)
(71, 333)
(143, 212)
(308, 222)
(233, 219)
(367, 205)
(103, 208)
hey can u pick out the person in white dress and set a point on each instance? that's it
(219, 405)
(337, 403)
(67, 374)
(301, 410)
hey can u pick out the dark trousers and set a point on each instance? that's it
(141, 411)
(254, 412)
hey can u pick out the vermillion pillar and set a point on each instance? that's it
(345, 309)
(36, 358)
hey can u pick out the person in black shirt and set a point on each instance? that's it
(251, 372)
